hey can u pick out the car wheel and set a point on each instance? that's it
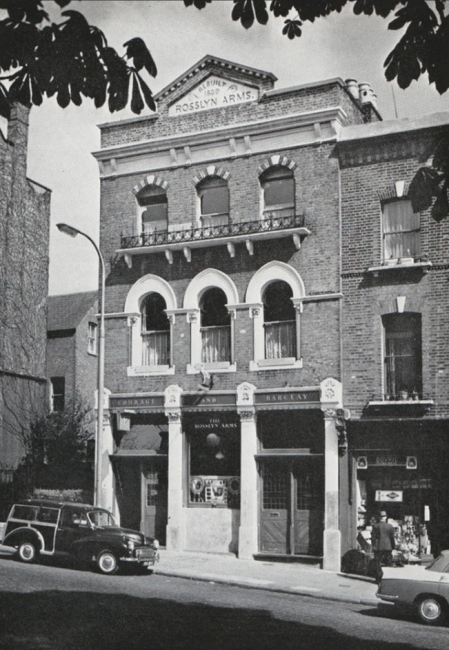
(431, 610)
(107, 563)
(27, 552)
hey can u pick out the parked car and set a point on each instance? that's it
(425, 588)
(83, 532)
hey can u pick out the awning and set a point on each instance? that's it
(144, 440)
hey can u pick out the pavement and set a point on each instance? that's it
(282, 577)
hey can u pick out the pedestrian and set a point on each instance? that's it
(383, 543)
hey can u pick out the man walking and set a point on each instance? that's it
(383, 543)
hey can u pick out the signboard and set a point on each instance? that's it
(136, 402)
(387, 460)
(209, 400)
(291, 397)
(213, 92)
(215, 423)
(390, 496)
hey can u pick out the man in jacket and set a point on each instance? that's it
(383, 543)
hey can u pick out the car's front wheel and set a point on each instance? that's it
(107, 563)
(27, 552)
(431, 610)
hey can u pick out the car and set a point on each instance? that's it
(423, 587)
(85, 533)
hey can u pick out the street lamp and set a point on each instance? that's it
(73, 232)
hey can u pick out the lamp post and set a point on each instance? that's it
(73, 232)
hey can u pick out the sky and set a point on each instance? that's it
(61, 141)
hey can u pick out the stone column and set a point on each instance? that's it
(175, 525)
(331, 399)
(248, 531)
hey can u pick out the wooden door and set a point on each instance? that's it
(308, 506)
(275, 507)
(154, 498)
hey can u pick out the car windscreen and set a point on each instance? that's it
(101, 518)
(439, 564)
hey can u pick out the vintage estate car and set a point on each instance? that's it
(85, 533)
(426, 588)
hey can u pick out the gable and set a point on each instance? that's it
(214, 92)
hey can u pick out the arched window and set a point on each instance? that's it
(278, 192)
(279, 321)
(155, 331)
(152, 201)
(213, 195)
(215, 327)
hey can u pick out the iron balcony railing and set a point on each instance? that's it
(227, 230)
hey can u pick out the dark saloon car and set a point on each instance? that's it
(425, 588)
(85, 533)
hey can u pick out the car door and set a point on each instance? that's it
(73, 526)
(443, 586)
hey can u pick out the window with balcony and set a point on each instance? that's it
(213, 195)
(152, 202)
(403, 356)
(215, 327)
(278, 192)
(155, 332)
(92, 338)
(401, 231)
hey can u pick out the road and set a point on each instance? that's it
(55, 607)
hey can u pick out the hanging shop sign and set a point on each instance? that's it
(390, 496)
(386, 460)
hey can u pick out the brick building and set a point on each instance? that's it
(24, 241)
(72, 347)
(221, 226)
(395, 331)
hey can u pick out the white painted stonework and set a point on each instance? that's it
(213, 92)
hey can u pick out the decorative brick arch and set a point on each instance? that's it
(274, 271)
(145, 285)
(211, 170)
(274, 161)
(150, 180)
(396, 190)
(205, 280)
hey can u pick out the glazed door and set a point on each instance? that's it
(308, 506)
(275, 507)
(154, 498)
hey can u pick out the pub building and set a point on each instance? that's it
(240, 327)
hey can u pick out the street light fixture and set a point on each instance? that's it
(73, 232)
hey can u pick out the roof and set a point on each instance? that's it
(391, 127)
(65, 312)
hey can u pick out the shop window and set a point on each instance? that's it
(155, 331)
(279, 321)
(57, 393)
(401, 230)
(403, 355)
(92, 338)
(213, 195)
(215, 327)
(214, 475)
(152, 202)
(278, 192)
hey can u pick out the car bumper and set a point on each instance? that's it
(142, 556)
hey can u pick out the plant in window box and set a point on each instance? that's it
(403, 395)
(415, 395)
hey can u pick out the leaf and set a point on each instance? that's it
(281, 7)
(423, 187)
(138, 51)
(244, 11)
(199, 4)
(63, 3)
(136, 98)
(440, 208)
(5, 107)
(147, 95)
(292, 28)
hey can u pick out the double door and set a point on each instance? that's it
(292, 506)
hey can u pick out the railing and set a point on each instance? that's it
(280, 339)
(216, 343)
(156, 348)
(213, 232)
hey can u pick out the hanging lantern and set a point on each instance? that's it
(213, 440)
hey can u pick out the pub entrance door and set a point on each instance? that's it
(292, 506)
(154, 498)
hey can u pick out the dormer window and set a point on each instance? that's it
(401, 231)
(152, 202)
(213, 195)
(278, 192)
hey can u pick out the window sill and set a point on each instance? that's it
(148, 371)
(275, 364)
(400, 266)
(219, 366)
(402, 402)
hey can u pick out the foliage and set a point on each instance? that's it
(77, 496)
(70, 59)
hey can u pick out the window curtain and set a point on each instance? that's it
(401, 228)
(280, 340)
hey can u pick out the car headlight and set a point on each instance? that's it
(155, 543)
(130, 543)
